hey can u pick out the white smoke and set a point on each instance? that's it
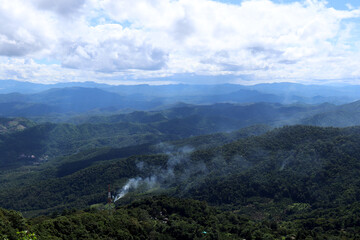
(162, 175)
(134, 183)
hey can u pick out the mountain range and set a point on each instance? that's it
(27, 137)
(182, 161)
(22, 99)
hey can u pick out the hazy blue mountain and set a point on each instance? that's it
(69, 100)
(140, 127)
(124, 130)
(58, 104)
(341, 116)
(12, 86)
(135, 117)
(176, 90)
(196, 94)
(14, 97)
(78, 99)
(275, 92)
(26, 109)
(230, 116)
(242, 96)
(311, 93)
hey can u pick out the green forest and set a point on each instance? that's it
(180, 173)
(292, 182)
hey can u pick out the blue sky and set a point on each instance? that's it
(182, 41)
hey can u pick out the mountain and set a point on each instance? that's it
(239, 96)
(183, 121)
(181, 171)
(233, 116)
(13, 125)
(341, 116)
(66, 98)
(75, 100)
(300, 177)
(97, 163)
(12, 86)
(23, 109)
(78, 99)
(311, 93)
(262, 182)
(38, 143)
(294, 163)
(298, 163)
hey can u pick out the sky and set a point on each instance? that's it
(180, 41)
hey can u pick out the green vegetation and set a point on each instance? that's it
(171, 218)
(316, 166)
(12, 125)
(34, 144)
(11, 223)
(25, 143)
(291, 182)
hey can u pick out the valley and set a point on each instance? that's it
(179, 120)
(257, 170)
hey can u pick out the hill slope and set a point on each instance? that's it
(316, 166)
(48, 140)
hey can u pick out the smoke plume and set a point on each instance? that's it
(179, 167)
(134, 183)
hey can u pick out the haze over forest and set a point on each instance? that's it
(184, 119)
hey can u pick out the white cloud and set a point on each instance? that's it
(127, 39)
(349, 6)
(113, 49)
(61, 7)
(22, 30)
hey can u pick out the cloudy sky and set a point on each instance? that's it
(188, 41)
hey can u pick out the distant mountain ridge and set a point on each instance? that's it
(341, 116)
(140, 127)
(148, 97)
(123, 130)
(68, 100)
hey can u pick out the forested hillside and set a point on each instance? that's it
(262, 181)
(34, 143)
(276, 176)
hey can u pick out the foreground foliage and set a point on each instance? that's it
(170, 218)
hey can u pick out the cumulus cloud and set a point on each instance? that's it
(113, 50)
(62, 7)
(147, 38)
(257, 37)
(22, 31)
